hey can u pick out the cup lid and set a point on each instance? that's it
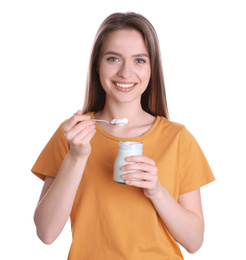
(130, 145)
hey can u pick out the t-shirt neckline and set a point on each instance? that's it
(138, 138)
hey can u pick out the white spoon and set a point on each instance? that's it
(119, 121)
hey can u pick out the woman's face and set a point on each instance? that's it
(124, 66)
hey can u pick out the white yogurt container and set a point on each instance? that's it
(125, 149)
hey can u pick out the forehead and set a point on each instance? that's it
(124, 42)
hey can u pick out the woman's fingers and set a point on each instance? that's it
(141, 163)
(139, 175)
(80, 129)
(79, 135)
(79, 112)
(142, 158)
(88, 137)
(145, 177)
(140, 167)
(74, 120)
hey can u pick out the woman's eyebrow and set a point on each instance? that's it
(112, 53)
(118, 54)
(141, 55)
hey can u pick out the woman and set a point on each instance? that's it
(160, 204)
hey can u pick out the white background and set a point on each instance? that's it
(44, 52)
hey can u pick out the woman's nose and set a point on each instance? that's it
(125, 70)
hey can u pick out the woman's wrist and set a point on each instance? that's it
(73, 157)
(156, 194)
(75, 164)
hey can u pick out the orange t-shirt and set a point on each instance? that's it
(113, 221)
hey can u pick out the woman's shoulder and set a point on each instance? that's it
(170, 125)
(175, 129)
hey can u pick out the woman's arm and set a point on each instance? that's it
(57, 196)
(54, 208)
(183, 219)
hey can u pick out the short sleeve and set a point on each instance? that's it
(52, 156)
(194, 170)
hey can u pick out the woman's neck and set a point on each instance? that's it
(139, 121)
(130, 111)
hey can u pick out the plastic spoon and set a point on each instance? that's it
(118, 121)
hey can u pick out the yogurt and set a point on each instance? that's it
(119, 121)
(125, 149)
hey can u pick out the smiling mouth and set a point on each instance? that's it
(124, 85)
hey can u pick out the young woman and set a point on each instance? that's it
(160, 205)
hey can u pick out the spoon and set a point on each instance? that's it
(118, 121)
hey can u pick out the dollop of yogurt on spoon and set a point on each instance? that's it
(119, 121)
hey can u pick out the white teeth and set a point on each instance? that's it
(124, 85)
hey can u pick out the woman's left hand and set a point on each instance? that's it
(147, 174)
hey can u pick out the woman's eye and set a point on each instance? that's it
(140, 61)
(113, 59)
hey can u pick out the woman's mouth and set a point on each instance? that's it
(124, 86)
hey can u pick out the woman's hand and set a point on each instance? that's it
(183, 219)
(79, 130)
(57, 198)
(147, 173)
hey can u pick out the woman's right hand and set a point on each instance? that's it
(79, 130)
(57, 198)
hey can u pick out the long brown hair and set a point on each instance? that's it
(153, 100)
